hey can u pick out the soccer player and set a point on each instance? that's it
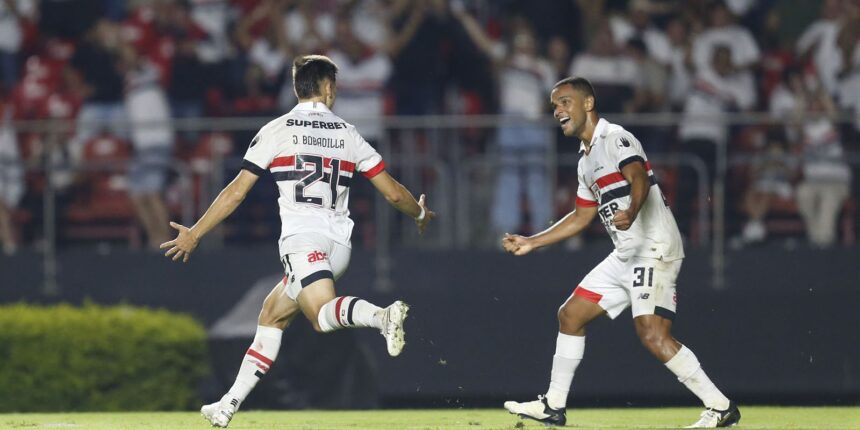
(616, 182)
(313, 156)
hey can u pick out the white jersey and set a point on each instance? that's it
(313, 156)
(654, 234)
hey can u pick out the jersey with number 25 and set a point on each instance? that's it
(313, 156)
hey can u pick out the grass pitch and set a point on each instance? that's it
(442, 419)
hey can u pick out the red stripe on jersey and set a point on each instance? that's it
(609, 179)
(283, 161)
(337, 311)
(262, 367)
(259, 356)
(347, 166)
(327, 163)
(591, 296)
(616, 177)
(583, 203)
(375, 170)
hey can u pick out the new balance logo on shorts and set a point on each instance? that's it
(644, 296)
(317, 256)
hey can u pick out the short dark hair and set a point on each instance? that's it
(580, 84)
(309, 71)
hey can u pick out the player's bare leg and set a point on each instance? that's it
(573, 316)
(655, 333)
(277, 313)
(326, 312)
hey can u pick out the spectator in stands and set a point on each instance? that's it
(819, 43)
(650, 86)
(11, 178)
(152, 138)
(361, 79)
(558, 54)
(680, 63)
(12, 15)
(612, 73)
(826, 177)
(524, 78)
(262, 36)
(772, 172)
(637, 24)
(717, 90)
(725, 33)
(309, 26)
(419, 30)
(95, 66)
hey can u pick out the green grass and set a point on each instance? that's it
(443, 419)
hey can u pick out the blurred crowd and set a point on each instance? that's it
(125, 73)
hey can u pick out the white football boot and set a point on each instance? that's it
(539, 411)
(712, 418)
(392, 327)
(221, 412)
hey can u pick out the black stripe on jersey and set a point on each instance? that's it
(253, 168)
(349, 311)
(316, 276)
(617, 193)
(297, 175)
(665, 313)
(629, 160)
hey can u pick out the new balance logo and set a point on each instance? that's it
(644, 296)
(317, 256)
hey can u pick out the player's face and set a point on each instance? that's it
(569, 109)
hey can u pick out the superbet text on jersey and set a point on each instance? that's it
(655, 233)
(313, 156)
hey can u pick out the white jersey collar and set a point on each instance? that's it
(600, 131)
(312, 106)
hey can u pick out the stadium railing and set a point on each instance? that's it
(449, 157)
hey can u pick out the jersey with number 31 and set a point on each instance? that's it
(313, 156)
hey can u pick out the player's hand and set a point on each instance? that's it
(183, 245)
(428, 215)
(516, 244)
(623, 220)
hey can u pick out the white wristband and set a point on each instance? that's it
(420, 216)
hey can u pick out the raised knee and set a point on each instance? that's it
(569, 322)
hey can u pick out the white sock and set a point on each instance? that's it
(686, 367)
(349, 311)
(256, 363)
(568, 354)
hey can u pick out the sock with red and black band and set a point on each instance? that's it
(256, 363)
(346, 311)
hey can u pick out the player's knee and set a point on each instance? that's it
(652, 338)
(568, 321)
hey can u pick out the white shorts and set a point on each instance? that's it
(311, 257)
(645, 284)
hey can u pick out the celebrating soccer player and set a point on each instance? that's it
(616, 182)
(313, 156)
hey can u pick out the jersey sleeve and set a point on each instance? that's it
(624, 149)
(367, 160)
(584, 196)
(259, 155)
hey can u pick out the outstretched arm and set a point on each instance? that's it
(224, 205)
(569, 226)
(398, 196)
